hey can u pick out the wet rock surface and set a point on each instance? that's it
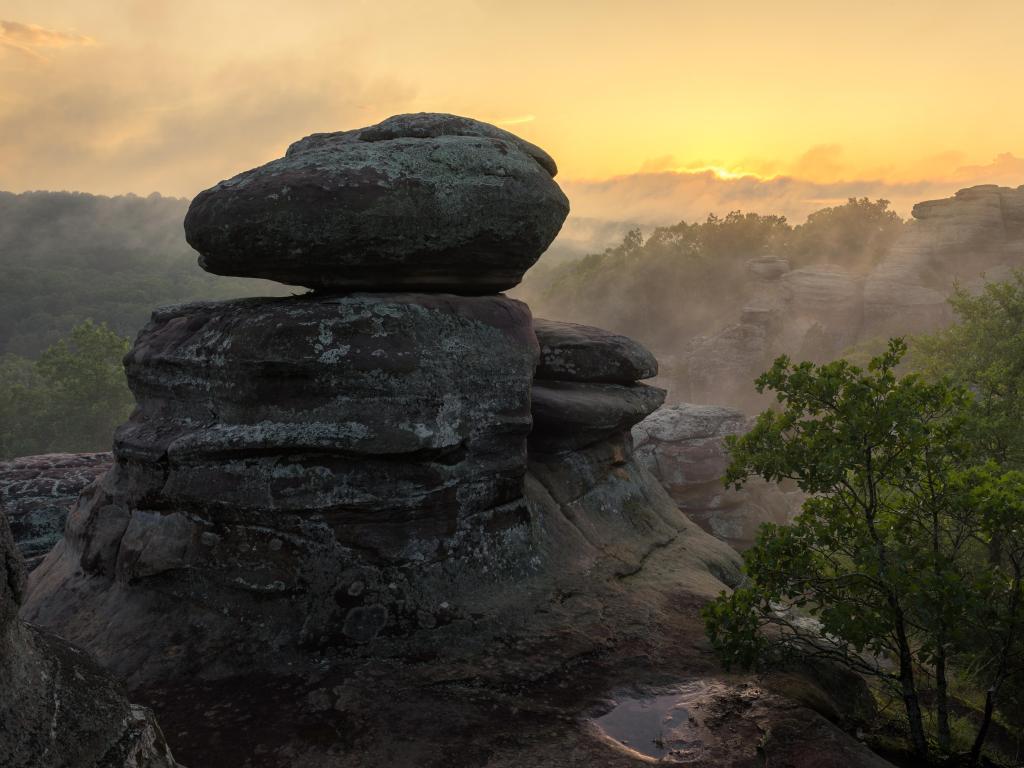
(36, 493)
(683, 445)
(57, 706)
(427, 201)
(728, 724)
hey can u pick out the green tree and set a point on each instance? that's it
(889, 559)
(70, 399)
(856, 234)
(984, 351)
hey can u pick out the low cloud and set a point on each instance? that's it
(27, 38)
(649, 199)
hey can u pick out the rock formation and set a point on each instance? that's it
(36, 493)
(338, 529)
(422, 202)
(57, 707)
(684, 447)
(819, 313)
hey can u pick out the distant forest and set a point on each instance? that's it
(681, 280)
(68, 256)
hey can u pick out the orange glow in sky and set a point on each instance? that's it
(144, 95)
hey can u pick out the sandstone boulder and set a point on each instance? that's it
(572, 352)
(684, 447)
(36, 493)
(768, 267)
(571, 415)
(419, 202)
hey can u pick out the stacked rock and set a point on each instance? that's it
(316, 468)
(586, 386)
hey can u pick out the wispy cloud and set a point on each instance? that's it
(27, 38)
(518, 120)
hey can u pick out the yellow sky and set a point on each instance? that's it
(173, 95)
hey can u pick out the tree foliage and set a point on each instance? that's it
(906, 557)
(984, 352)
(70, 399)
(67, 257)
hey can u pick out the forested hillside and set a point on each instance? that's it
(686, 279)
(68, 256)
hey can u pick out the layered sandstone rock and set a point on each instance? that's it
(572, 352)
(586, 386)
(57, 707)
(424, 202)
(36, 493)
(977, 232)
(684, 447)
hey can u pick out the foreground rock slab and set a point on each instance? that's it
(430, 202)
(57, 706)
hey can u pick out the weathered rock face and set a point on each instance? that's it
(571, 352)
(569, 415)
(585, 389)
(419, 202)
(36, 493)
(684, 447)
(303, 471)
(57, 707)
(976, 232)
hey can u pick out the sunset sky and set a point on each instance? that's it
(654, 110)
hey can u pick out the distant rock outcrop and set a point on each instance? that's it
(36, 493)
(57, 707)
(818, 313)
(979, 232)
(684, 447)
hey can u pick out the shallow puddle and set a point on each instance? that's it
(659, 727)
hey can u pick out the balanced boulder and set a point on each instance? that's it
(422, 202)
